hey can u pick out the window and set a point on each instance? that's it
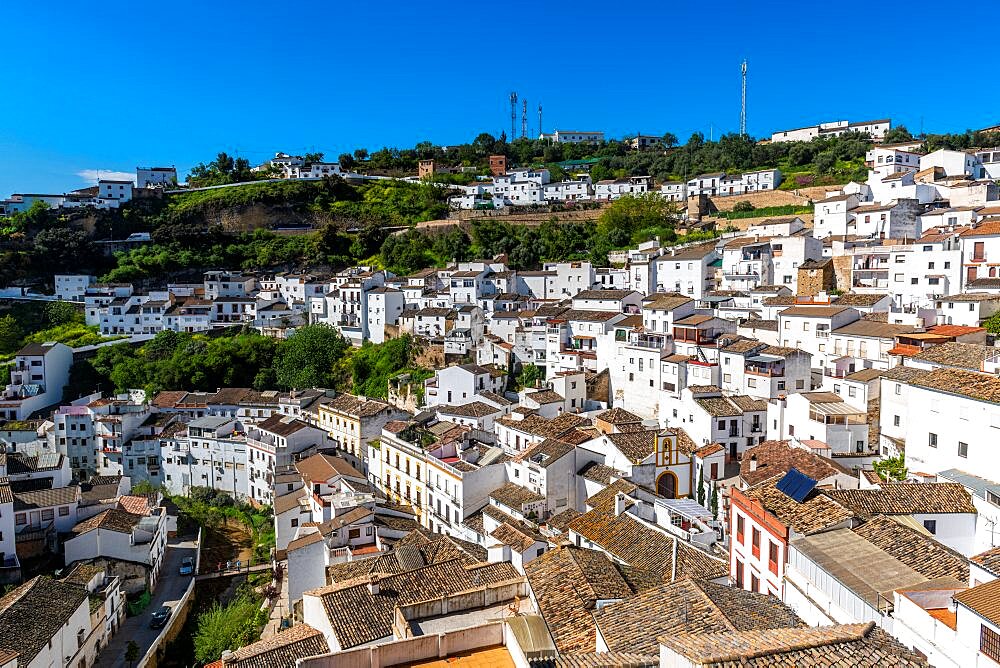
(48, 514)
(932, 440)
(295, 521)
(20, 519)
(895, 420)
(755, 542)
(963, 450)
(931, 525)
(800, 384)
(739, 574)
(754, 583)
(772, 557)
(63, 511)
(739, 528)
(989, 643)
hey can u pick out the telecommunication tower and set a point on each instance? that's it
(513, 116)
(524, 118)
(539, 120)
(743, 104)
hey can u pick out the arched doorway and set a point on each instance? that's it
(666, 485)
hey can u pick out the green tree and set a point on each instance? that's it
(669, 139)
(313, 157)
(714, 503)
(701, 486)
(992, 324)
(132, 652)
(346, 161)
(897, 135)
(891, 468)
(307, 358)
(10, 334)
(530, 374)
(61, 313)
(227, 627)
(63, 247)
(361, 154)
(743, 205)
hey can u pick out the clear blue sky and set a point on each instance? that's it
(113, 85)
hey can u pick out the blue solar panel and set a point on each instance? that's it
(796, 485)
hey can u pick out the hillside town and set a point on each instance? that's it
(770, 446)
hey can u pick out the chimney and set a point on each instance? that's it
(619, 503)
(373, 585)
(228, 657)
(753, 463)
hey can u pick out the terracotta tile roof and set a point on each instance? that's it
(519, 536)
(990, 560)
(971, 297)
(514, 496)
(905, 374)
(323, 467)
(46, 498)
(969, 356)
(606, 660)
(349, 404)
(982, 230)
(636, 445)
(984, 600)
(688, 606)
(618, 416)
(855, 645)
(281, 650)
(112, 519)
(816, 513)
(665, 301)
(168, 398)
(899, 498)
(599, 473)
(813, 311)
(567, 583)
(289, 501)
(560, 521)
(974, 385)
(862, 300)
(539, 426)
(358, 616)
(31, 615)
(604, 500)
(545, 397)
(872, 329)
(776, 458)
(646, 549)
(915, 549)
(282, 425)
(136, 505)
(546, 453)
(473, 409)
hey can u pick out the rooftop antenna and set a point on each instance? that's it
(743, 106)
(539, 120)
(513, 116)
(524, 118)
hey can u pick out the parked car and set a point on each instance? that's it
(160, 617)
(187, 566)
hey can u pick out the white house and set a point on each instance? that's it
(38, 376)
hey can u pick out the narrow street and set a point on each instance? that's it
(169, 591)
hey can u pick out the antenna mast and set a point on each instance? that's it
(524, 118)
(513, 116)
(743, 106)
(539, 121)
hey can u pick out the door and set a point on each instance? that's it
(35, 518)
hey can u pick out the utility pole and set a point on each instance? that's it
(524, 118)
(513, 116)
(743, 105)
(540, 120)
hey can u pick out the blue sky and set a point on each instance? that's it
(119, 84)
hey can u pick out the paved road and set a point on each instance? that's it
(169, 591)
